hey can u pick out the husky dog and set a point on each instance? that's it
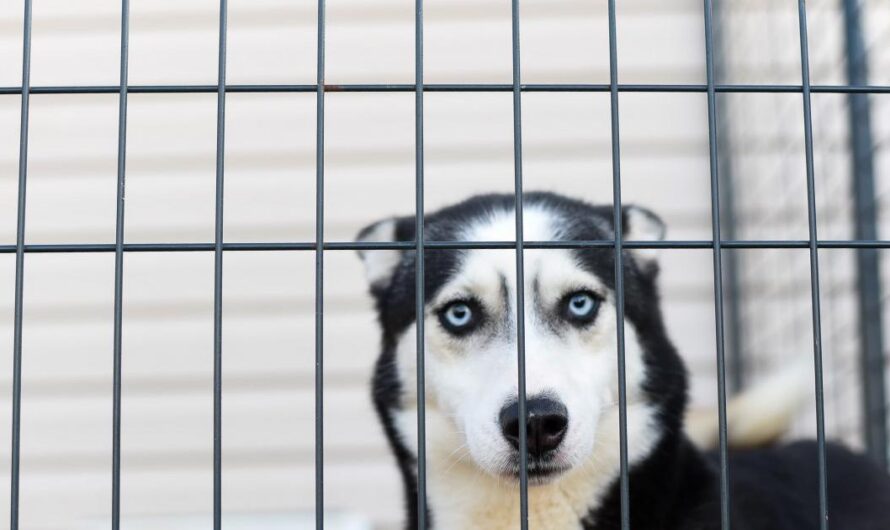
(472, 419)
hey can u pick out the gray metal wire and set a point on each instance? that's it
(319, 270)
(20, 277)
(453, 87)
(618, 245)
(814, 265)
(419, 265)
(218, 269)
(89, 248)
(717, 252)
(520, 273)
(119, 269)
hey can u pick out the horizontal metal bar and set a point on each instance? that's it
(442, 245)
(446, 87)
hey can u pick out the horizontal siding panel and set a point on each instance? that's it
(172, 427)
(366, 488)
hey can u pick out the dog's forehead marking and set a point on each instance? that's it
(538, 224)
(488, 273)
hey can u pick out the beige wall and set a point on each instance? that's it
(268, 302)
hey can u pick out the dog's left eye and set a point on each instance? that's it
(460, 317)
(581, 307)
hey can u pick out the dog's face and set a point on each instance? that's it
(569, 349)
(471, 348)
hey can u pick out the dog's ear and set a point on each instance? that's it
(380, 265)
(641, 224)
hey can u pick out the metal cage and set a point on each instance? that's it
(866, 241)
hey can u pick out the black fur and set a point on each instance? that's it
(676, 487)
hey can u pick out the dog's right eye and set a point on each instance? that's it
(460, 317)
(580, 308)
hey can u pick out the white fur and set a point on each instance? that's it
(469, 380)
(379, 264)
(643, 225)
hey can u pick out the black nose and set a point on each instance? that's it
(547, 423)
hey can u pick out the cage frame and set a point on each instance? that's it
(319, 246)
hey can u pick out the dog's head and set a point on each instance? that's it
(570, 321)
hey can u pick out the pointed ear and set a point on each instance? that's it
(380, 265)
(641, 224)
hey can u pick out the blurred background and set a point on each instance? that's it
(268, 466)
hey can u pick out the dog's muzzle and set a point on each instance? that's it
(546, 425)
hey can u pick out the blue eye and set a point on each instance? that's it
(581, 306)
(459, 317)
(459, 314)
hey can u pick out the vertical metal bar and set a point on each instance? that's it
(520, 273)
(717, 252)
(218, 269)
(419, 264)
(728, 219)
(319, 269)
(20, 275)
(619, 267)
(119, 269)
(868, 277)
(814, 264)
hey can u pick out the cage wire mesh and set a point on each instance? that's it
(570, 112)
(765, 160)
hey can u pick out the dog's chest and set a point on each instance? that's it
(490, 513)
(465, 499)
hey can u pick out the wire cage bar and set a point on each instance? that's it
(520, 272)
(119, 269)
(319, 269)
(218, 267)
(420, 244)
(617, 223)
(814, 265)
(717, 254)
(446, 245)
(419, 256)
(454, 87)
(19, 250)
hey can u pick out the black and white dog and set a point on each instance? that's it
(572, 387)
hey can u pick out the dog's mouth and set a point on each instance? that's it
(540, 470)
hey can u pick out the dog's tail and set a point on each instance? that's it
(759, 415)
